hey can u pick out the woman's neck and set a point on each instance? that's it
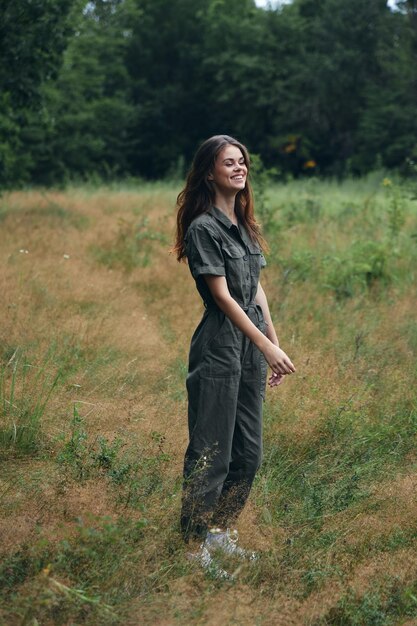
(226, 204)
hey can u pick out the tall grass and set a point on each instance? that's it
(132, 247)
(25, 390)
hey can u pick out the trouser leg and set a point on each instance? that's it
(246, 453)
(212, 413)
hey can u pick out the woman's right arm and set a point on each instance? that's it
(276, 358)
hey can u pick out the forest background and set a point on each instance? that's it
(117, 88)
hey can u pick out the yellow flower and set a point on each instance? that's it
(309, 164)
(387, 182)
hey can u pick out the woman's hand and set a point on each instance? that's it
(277, 360)
(276, 379)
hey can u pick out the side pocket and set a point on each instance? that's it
(215, 330)
(221, 355)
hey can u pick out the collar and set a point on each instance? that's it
(221, 217)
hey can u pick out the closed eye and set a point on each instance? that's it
(230, 162)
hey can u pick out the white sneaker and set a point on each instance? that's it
(226, 542)
(204, 558)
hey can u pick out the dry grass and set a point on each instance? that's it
(89, 515)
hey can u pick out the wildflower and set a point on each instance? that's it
(23, 251)
(387, 182)
(310, 164)
(66, 256)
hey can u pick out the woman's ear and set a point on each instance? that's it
(209, 176)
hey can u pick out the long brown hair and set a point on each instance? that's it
(198, 194)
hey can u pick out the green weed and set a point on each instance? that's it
(89, 576)
(60, 582)
(303, 482)
(175, 379)
(379, 607)
(25, 390)
(261, 178)
(299, 267)
(132, 247)
(363, 265)
(307, 207)
(134, 473)
(395, 209)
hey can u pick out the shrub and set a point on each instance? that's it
(363, 265)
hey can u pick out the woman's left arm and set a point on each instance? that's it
(261, 299)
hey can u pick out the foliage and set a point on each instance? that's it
(361, 267)
(131, 87)
(33, 37)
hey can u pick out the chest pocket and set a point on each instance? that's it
(243, 264)
(236, 261)
(256, 261)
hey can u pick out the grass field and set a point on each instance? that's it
(96, 321)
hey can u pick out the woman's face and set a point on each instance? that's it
(230, 171)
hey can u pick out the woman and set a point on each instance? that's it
(218, 234)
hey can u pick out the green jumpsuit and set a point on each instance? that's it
(226, 379)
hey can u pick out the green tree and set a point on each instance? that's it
(388, 128)
(86, 118)
(333, 61)
(164, 61)
(142, 82)
(199, 67)
(33, 36)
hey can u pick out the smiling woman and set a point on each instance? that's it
(230, 349)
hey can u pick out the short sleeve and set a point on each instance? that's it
(204, 252)
(263, 261)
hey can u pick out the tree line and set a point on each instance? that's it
(113, 88)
